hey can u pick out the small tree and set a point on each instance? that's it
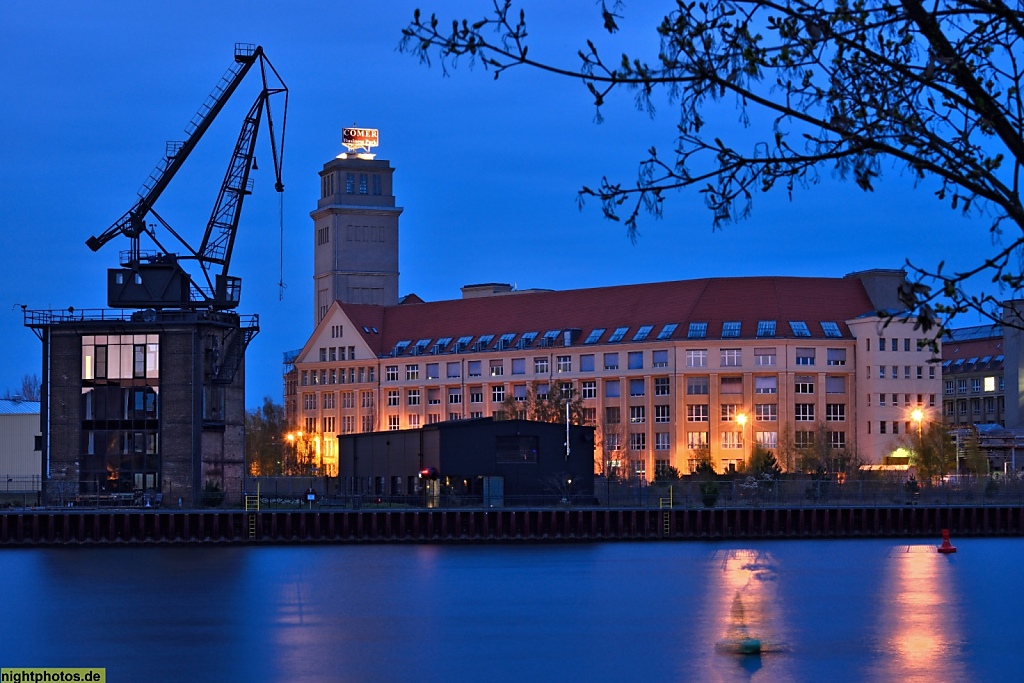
(975, 460)
(935, 454)
(30, 389)
(264, 432)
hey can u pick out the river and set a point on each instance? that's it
(845, 610)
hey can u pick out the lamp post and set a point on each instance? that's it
(917, 415)
(742, 420)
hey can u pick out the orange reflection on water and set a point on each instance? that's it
(920, 624)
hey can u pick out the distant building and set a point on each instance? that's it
(973, 387)
(665, 370)
(21, 463)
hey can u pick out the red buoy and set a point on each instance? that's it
(946, 546)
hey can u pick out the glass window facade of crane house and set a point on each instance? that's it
(120, 409)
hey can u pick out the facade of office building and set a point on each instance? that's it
(665, 371)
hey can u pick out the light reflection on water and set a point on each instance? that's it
(828, 610)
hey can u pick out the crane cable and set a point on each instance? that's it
(280, 283)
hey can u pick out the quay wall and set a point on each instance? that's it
(122, 527)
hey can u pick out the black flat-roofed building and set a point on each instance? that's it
(491, 462)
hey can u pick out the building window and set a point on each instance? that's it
(732, 440)
(497, 368)
(805, 356)
(412, 397)
(612, 415)
(729, 412)
(587, 362)
(662, 443)
(766, 385)
(659, 359)
(637, 414)
(590, 416)
(836, 356)
(611, 389)
(961, 386)
(475, 368)
(835, 385)
(696, 358)
(731, 329)
(433, 371)
(636, 387)
(662, 413)
(454, 396)
(697, 413)
(731, 358)
(635, 360)
(412, 372)
(731, 385)
(805, 412)
(764, 356)
(695, 440)
(391, 373)
(394, 398)
(697, 386)
(476, 394)
(564, 363)
(613, 442)
(804, 384)
(611, 361)
(540, 366)
(497, 393)
(837, 440)
(975, 385)
(638, 441)
(661, 386)
(618, 334)
(990, 384)
(393, 422)
(453, 370)
(766, 328)
(835, 412)
(768, 440)
(588, 389)
(697, 331)
(802, 439)
(766, 412)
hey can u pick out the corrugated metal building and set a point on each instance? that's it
(20, 458)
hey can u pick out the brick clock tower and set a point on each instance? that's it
(356, 226)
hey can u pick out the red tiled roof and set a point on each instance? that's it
(714, 301)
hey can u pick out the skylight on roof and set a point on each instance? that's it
(831, 329)
(986, 359)
(973, 360)
(618, 334)
(799, 328)
(697, 331)
(959, 362)
(594, 336)
(400, 347)
(642, 333)
(441, 344)
(462, 343)
(731, 329)
(506, 340)
(999, 358)
(527, 339)
(667, 331)
(765, 328)
(551, 335)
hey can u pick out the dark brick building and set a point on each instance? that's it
(145, 402)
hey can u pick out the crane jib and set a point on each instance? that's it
(158, 280)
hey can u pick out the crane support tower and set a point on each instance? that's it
(156, 279)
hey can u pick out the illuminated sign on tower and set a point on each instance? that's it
(359, 138)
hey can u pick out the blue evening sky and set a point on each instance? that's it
(487, 171)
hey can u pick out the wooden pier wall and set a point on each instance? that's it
(121, 527)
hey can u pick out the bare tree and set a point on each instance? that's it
(30, 389)
(843, 88)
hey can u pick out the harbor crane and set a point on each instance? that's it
(156, 279)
